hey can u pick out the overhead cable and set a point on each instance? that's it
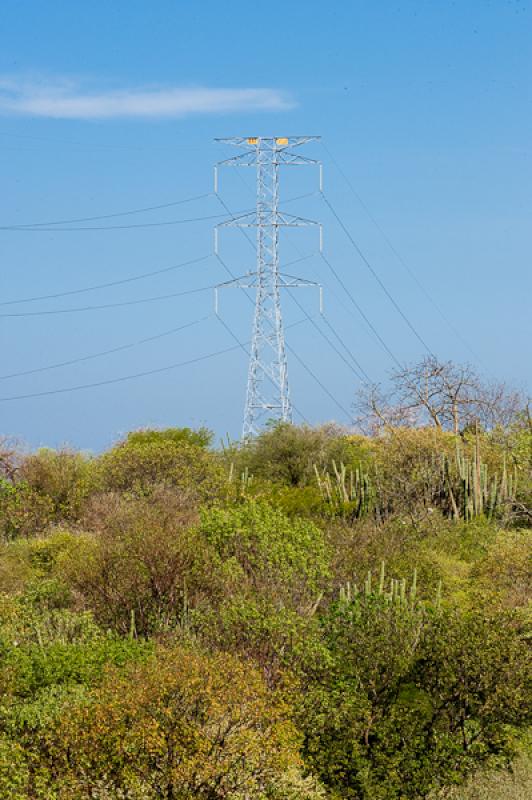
(112, 216)
(101, 353)
(337, 336)
(376, 276)
(350, 366)
(360, 311)
(107, 305)
(398, 255)
(130, 279)
(52, 227)
(123, 378)
(115, 227)
(320, 383)
(107, 285)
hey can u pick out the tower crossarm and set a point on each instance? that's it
(274, 142)
(251, 280)
(251, 220)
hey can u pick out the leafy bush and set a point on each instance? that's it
(514, 783)
(180, 725)
(289, 454)
(202, 437)
(23, 511)
(278, 557)
(28, 569)
(415, 697)
(49, 486)
(505, 572)
(278, 640)
(148, 459)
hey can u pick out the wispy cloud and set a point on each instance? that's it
(67, 99)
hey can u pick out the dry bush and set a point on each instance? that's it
(10, 457)
(180, 725)
(141, 558)
(65, 477)
(505, 573)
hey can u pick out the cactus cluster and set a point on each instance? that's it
(472, 492)
(392, 590)
(350, 492)
(397, 592)
(458, 484)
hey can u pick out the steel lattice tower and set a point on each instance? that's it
(267, 395)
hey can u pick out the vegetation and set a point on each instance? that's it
(309, 615)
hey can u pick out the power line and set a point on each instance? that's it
(122, 378)
(360, 311)
(324, 335)
(39, 227)
(114, 227)
(118, 349)
(108, 284)
(398, 255)
(107, 305)
(346, 348)
(119, 283)
(130, 377)
(112, 216)
(322, 385)
(376, 276)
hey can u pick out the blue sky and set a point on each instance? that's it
(111, 106)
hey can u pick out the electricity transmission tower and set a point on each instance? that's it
(267, 395)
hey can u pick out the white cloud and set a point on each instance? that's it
(66, 99)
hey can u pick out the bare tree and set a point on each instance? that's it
(377, 409)
(444, 394)
(9, 458)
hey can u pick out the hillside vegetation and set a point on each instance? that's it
(308, 615)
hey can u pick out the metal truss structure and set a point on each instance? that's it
(267, 395)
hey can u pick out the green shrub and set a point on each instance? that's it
(507, 783)
(14, 769)
(149, 459)
(414, 698)
(505, 572)
(23, 511)
(202, 437)
(279, 557)
(288, 454)
(276, 639)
